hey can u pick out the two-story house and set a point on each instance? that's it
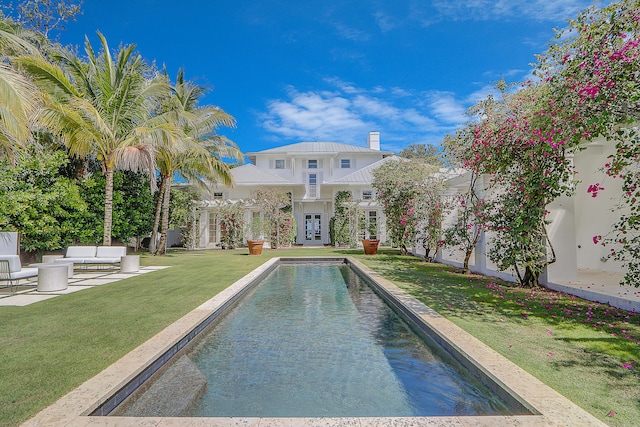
(313, 172)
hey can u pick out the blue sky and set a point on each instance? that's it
(301, 70)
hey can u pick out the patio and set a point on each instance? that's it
(82, 279)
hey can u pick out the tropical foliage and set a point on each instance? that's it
(231, 225)
(412, 198)
(516, 143)
(100, 107)
(183, 214)
(197, 153)
(593, 73)
(36, 200)
(280, 225)
(347, 224)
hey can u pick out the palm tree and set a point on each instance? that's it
(198, 155)
(19, 97)
(102, 107)
(18, 102)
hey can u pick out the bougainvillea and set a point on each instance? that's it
(231, 225)
(520, 145)
(412, 198)
(280, 225)
(593, 71)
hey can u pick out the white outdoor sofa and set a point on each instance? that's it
(93, 255)
(11, 269)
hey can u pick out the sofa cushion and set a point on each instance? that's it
(111, 252)
(14, 262)
(24, 273)
(80, 252)
(73, 260)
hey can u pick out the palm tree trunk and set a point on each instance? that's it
(162, 244)
(108, 206)
(153, 244)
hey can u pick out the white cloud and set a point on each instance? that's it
(447, 108)
(351, 33)
(491, 10)
(385, 22)
(347, 113)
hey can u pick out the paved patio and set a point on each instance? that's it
(82, 279)
(603, 287)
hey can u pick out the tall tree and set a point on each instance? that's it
(19, 97)
(46, 15)
(197, 155)
(429, 153)
(101, 107)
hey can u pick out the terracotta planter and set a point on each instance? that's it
(370, 246)
(255, 246)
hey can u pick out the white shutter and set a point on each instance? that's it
(270, 163)
(320, 164)
(353, 164)
(287, 164)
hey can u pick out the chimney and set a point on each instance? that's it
(373, 141)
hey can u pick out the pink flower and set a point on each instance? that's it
(550, 354)
(611, 414)
(627, 366)
(549, 333)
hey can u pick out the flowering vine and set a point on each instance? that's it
(593, 71)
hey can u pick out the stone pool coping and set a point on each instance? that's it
(553, 408)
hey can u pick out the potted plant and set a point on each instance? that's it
(370, 244)
(254, 236)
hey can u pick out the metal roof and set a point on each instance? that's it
(250, 174)
(319, 148)
(364, 175)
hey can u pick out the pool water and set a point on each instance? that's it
(316, 341)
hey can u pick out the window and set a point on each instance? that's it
(280, 164)
(313, 178)
(345, 163)
(367, 194)
(217, 196)
(213, 228)
(372, 225)
(312, 164)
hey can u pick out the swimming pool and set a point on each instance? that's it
(314, 340)
(99, 395)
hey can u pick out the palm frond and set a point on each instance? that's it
(18, 101)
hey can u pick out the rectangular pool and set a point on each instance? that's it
(314, 340)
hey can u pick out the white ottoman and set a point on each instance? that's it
(68, 264)
(130, 263)
(52, 277)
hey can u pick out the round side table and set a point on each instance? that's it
(52, 277)
(130, 263)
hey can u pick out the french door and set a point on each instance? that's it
(312, 228)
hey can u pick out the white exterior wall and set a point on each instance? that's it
(575, 220)
(595, 216)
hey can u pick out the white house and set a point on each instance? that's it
(313, 172)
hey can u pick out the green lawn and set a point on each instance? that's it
(587, 354)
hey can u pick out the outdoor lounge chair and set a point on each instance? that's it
(11, 270)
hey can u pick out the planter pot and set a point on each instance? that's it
(255, 246)
(370, 246)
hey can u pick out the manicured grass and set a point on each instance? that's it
(584, 350)
(49, 348)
